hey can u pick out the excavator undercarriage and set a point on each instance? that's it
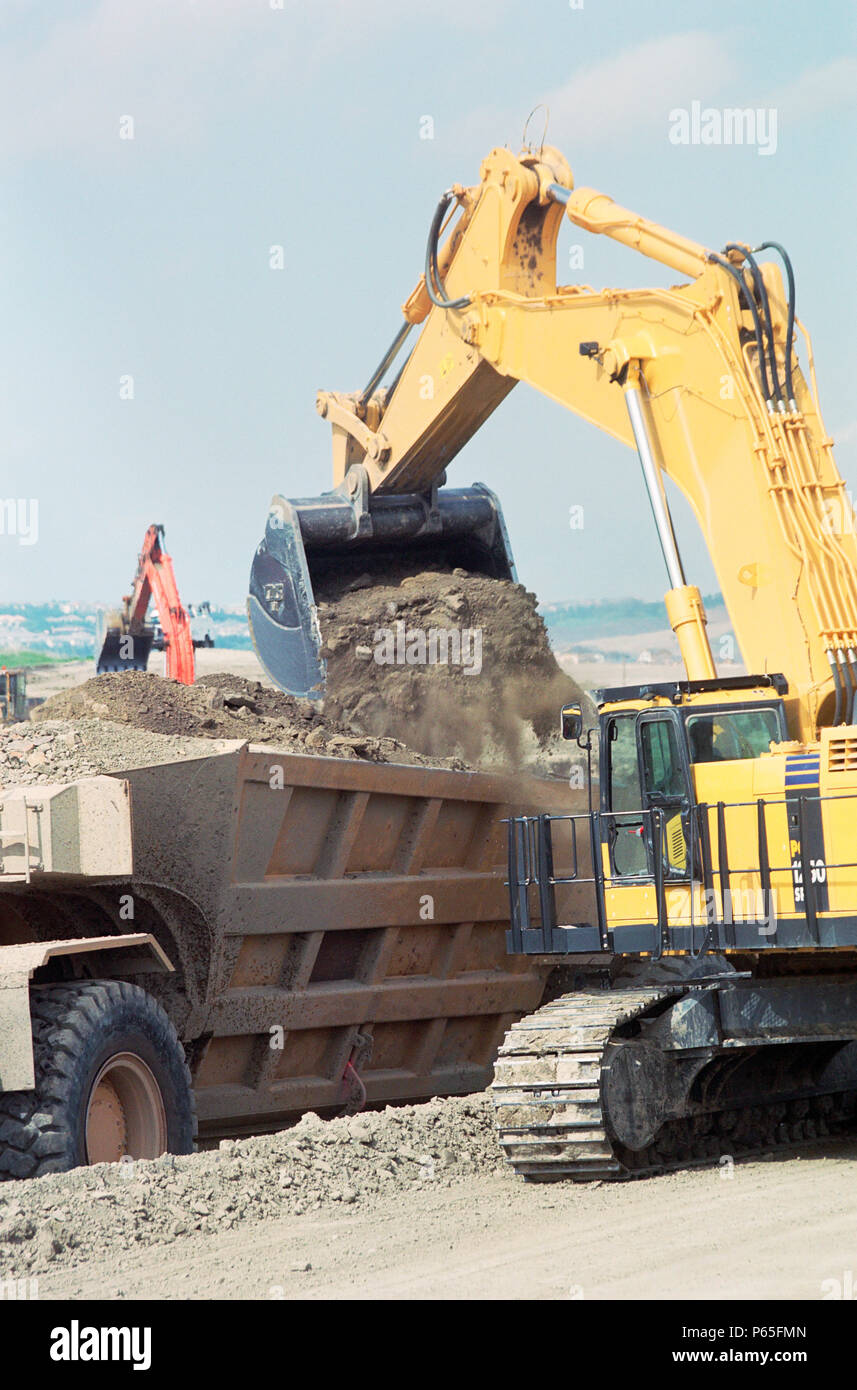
(628, 1081)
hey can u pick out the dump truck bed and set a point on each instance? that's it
(320, 912)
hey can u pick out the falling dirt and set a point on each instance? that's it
(448, 662)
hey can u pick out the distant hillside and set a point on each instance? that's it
(61, 630)
(573, 624)
(54, 631)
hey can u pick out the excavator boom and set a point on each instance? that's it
(703, 379)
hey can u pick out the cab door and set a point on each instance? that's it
(623, 826)
(666, 786)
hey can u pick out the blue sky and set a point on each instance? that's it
(259, 124)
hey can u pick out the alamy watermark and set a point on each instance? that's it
(20, 517)
(438, 646)
(14, 1289)
(839, 514)
(728, 125)
(745, 904)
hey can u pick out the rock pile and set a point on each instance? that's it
(316, 1165)
(125, 720)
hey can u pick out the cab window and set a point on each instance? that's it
(722, 736)
(624, 831)
(661, 761)
(625, 791)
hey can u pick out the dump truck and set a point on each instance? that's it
(222, 943)
(720, 937)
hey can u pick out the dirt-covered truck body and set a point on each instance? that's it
(336, 931)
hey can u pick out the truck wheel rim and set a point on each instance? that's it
(125, 1114)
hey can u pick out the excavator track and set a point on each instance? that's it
(547, 1084)
(549, 1089)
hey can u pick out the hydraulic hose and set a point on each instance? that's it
(762, 293)
(434, 284)
(852, 672)
(847, 687)
(837, 683)
(790, 330)
(386, 361)
(751, 303)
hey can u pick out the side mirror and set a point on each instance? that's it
(571, 721)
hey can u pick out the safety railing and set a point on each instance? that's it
(710, 873)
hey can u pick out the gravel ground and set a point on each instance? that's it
(316, 1166)
(275, 1219)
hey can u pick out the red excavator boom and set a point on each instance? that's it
(126, 637)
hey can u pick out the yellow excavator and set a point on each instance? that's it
(704, 909)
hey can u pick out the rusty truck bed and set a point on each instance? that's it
(316, 910)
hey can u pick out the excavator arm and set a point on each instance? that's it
(702, 378)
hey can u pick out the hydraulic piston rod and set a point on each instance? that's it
(684, 601)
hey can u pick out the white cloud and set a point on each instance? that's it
(632, 93)
(636, 90)
(819, 90)
(614, 99)
(68, 88)
(173, 64)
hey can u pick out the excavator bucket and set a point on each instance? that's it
(313, 545)
(117, 651)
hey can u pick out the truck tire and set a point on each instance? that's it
(111, 1081)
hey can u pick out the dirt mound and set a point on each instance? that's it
(443, 667)
(447, 661)
(217, 707)
(63, 1218)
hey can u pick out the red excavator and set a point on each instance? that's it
(126, 639)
